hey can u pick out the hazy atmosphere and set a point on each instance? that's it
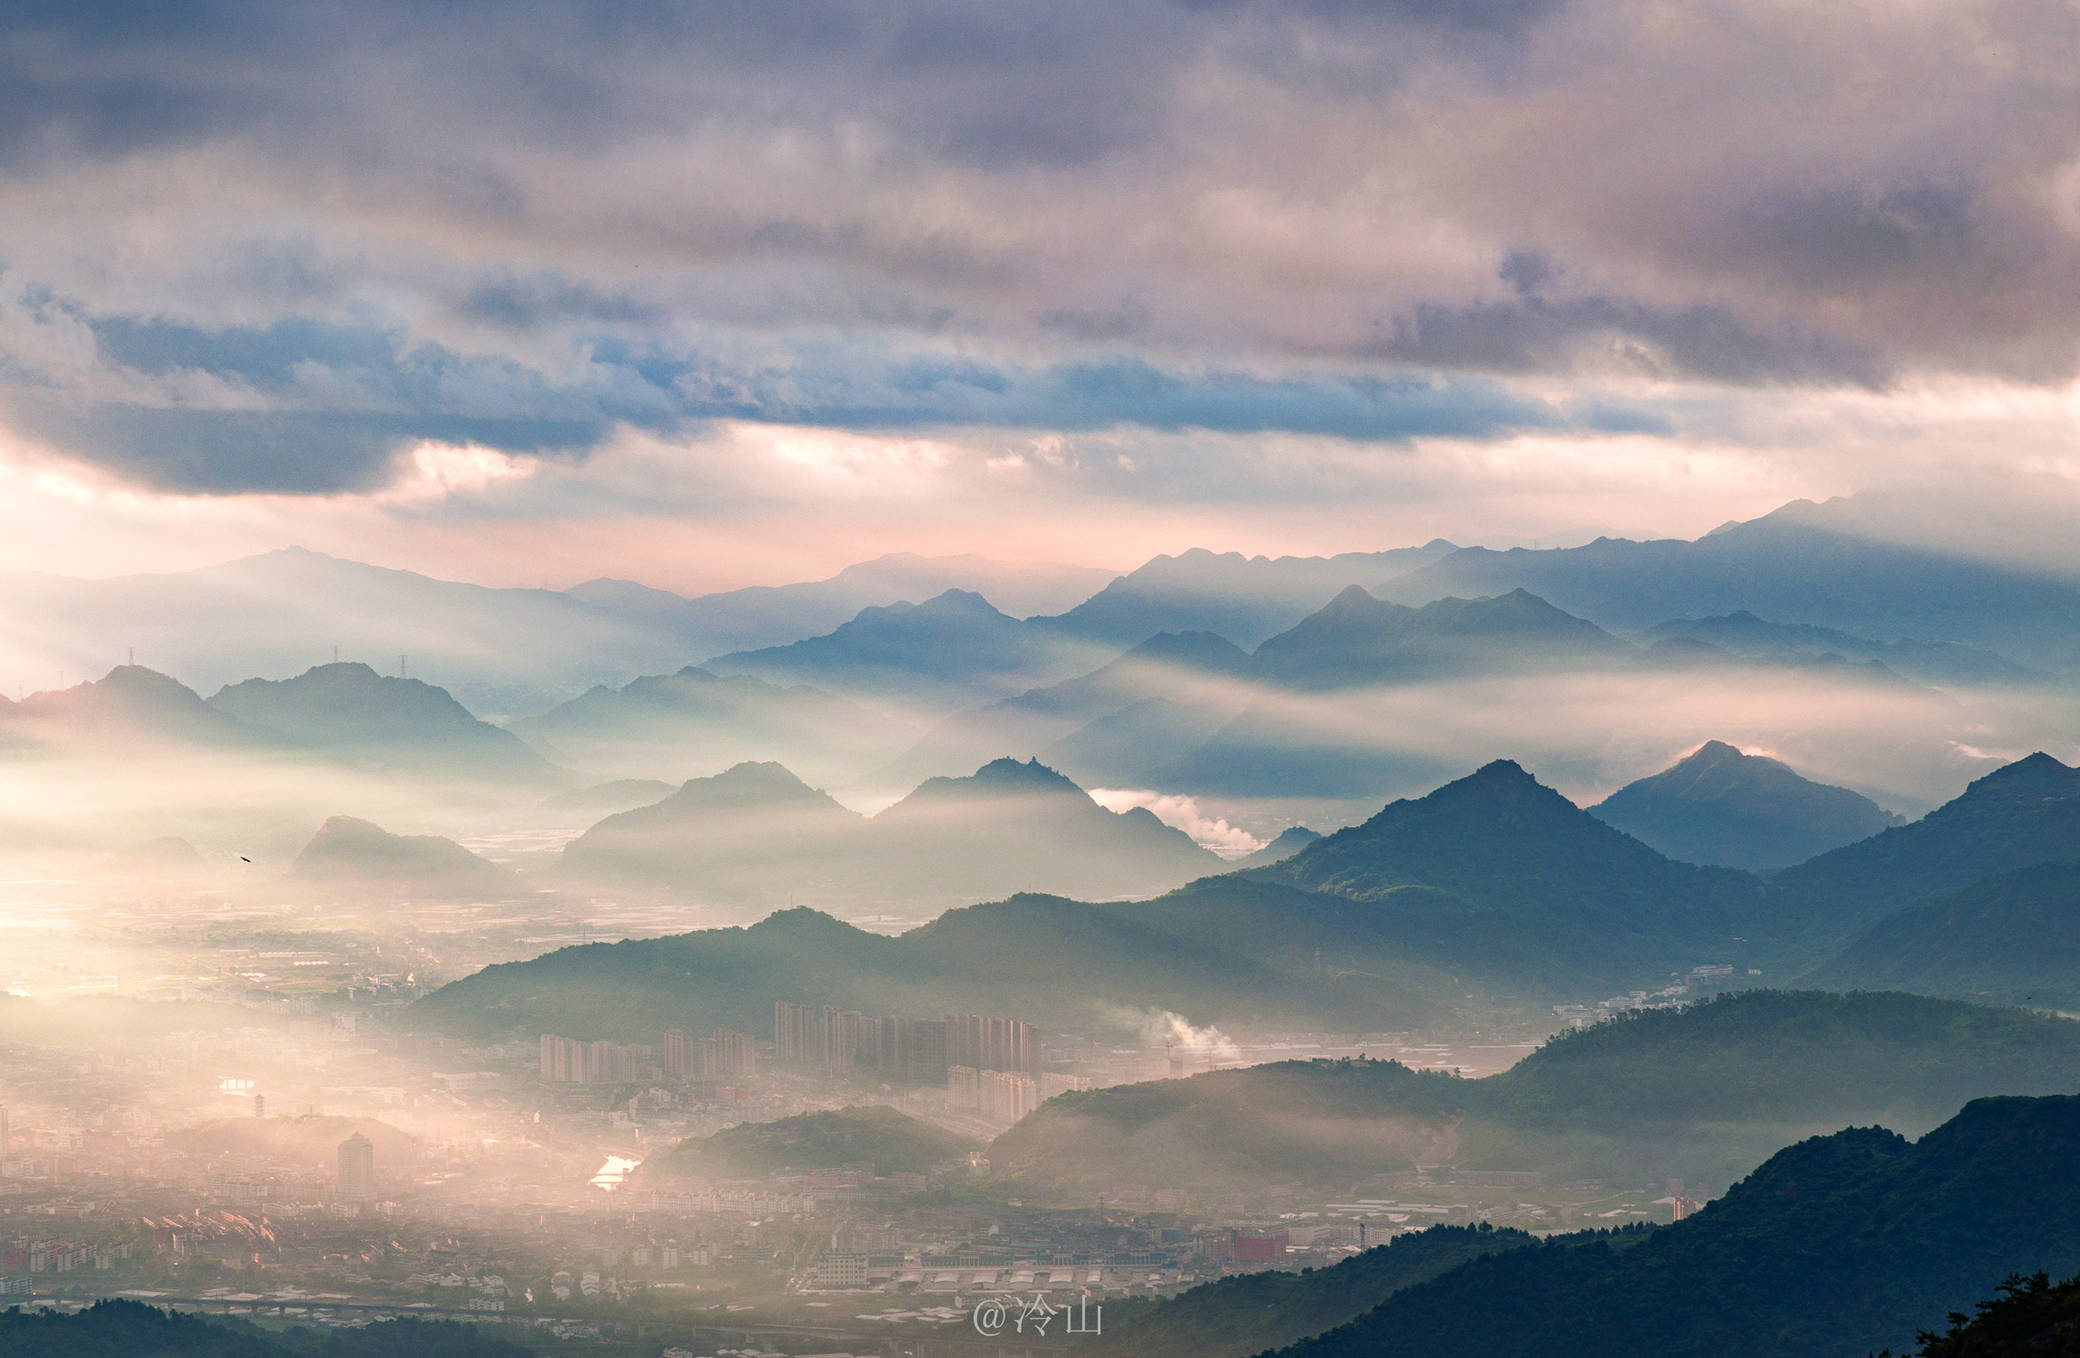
(1151, 680)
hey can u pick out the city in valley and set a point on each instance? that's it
(929, 679)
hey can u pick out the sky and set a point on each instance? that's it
(715, 294)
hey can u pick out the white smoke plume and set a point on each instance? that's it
(1167, 1028)
(1182, 813)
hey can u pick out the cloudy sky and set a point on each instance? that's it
(714, 293)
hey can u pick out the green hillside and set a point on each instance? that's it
(1703, 1092)
(2016, 817)
(129, 1329)
(892, 1142)
(1253, 1312)
(2011, 939)
(1835, 1246)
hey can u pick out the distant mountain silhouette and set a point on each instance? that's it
(1288, 843)
(1522, 867)
(1244, 599)
(349, 852)
(350, 712)
(132, 710)
(501, 652)
(1129, 747)
(664, 725)
(604, 799)
(1014, 826)
(1357, 640)
(1195, 672)
(1720, 807)
(759, 833)
(1838, 1245)
(754, 832)
(167, 857)
(1296, 738)
(2018, 816)
(773, 615)
(1313, 681)
(2011, 939)
(1804, 563)
(1929, 662)
(954, 650)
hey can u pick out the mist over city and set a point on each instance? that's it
(930, 680)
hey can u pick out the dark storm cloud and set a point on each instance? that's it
(298, 452)
(304, 406)
(541, 300)
(307, 407)
(1533, 334)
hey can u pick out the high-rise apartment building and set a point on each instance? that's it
(905, 1050)
(724, 1054)
(797, 1035)
(729, 1054)
(990, 1043)
(841, 1038)
(357, 1169)
(566, 1060)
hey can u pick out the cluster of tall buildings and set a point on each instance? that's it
(1001, 1044)
(841, 1043)
(990, 1065)
(567, 1060)
(724, 1053)
(995, 1095)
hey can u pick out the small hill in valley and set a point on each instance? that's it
(310, 1142)
(888, 1140)
(1720, 807)
(1703, 1092)
(1287, 843)
(348, 851)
